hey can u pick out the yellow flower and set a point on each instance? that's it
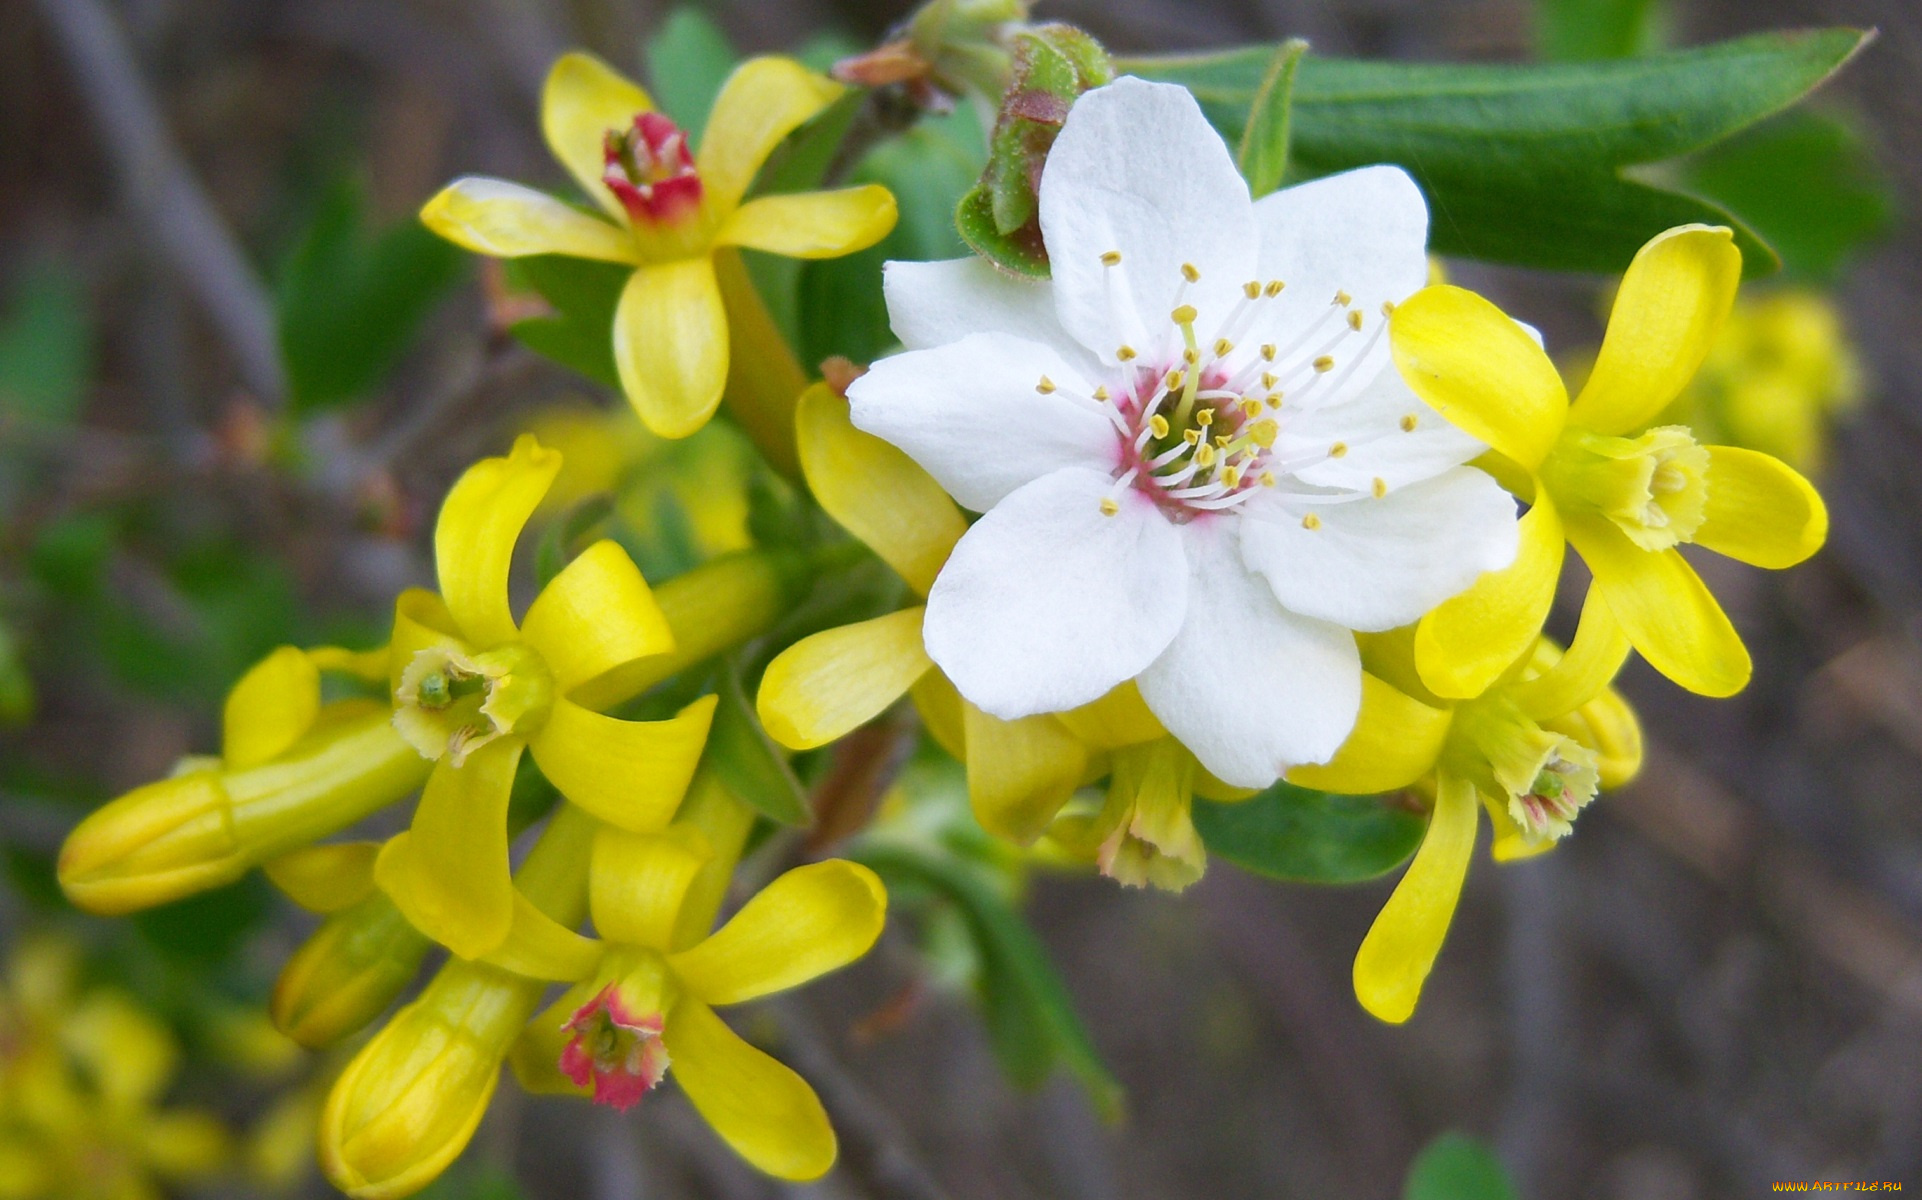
(643, 1005)
(471, 689)
(1624, 495)
(666, 211)
(81, 1076)
(1533, 749)
(291, 770)
(1780, 371)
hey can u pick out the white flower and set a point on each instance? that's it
(1199, 468)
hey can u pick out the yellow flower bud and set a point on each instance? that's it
(347, 973)
(209, 826)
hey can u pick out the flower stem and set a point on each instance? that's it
(765, 379)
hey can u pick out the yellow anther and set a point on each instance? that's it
(1185, 315)
(1273, 400)
(1354, 319)
(1343, 299)
(1045, 387)
(1191, 273)
(1222, 347)
(1387, 308)
(1267, 479)
(1205, 454)
(1173, 381)
(1268, 352)
(1221, 441)
(1250, 406)
(1101, 393)
(1338, 450)
(1191, 356)
(1408, 423)
(1231, 476)
(1159, 424)
(1191, 436)
(1251, 289)
(1381, 487)
(1125, 354)
(1325, 364)
(1273, 289)
(1269, 379)
(1205, 417)
(1311, 521)
(1111, 259)
(1265, 431)
(1108, 506)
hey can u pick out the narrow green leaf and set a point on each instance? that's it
(46, 347)
(1031, 1020)
(1586, 30)
(1295, 834)
(748, 761)
(580, 333)
(1526, 164)
(1263, 154)
(688, 59)
(1457, 1167)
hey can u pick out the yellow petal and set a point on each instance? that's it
(825, 685)
(272, 706)
(597, 614)
(940, 707)
(763, 101)
(449, 872)
(421, 620)
(1608, 726)
(765, 1111)
(813, 224)
(1120, 718)
(1469, 641)
(1760, 510)
(536, 1056)
(670, 343)
(877, 493)
(584, 98)
(1666, 315)
(540, 947)
(368, 665)
(326, 878)
(638, 882)
(631, 774)
(1021, 772)
(1480, 370)
(1592, 659)
(1510, 843)
(1665, 609)
(474, 538)
(812, 920)
(128, 1052)
(1401, 946)
(1396, 741)
(506, 220)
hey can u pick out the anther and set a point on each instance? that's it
(1159, 424)
(1311, 522)
(1108, 506)
(1325, 364)
(1191, 356)
(1273, 289)
(1221, 441)
(1125, 353)
(1101, 393)
(1190, 273)
(1387, 308)
(1264, 432)
(1354, 319)
(1045, 387)
(1381, 487)
(1191, 436)
(1222, 347)
(1338, 450)
(1408, 423)
(1185, 315)
(1268, 352)
(1173, 381)
(1252, 289)
(1205, 454)
(1231, 476)
(1267, 479)
(1250, 406)
(1273, 400)
(1111, 258)
(1343, 299)
(1205, 417)
(1269, 379)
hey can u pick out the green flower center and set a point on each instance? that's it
(1653, 487)
(452, 703)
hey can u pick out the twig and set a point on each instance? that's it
(162, 189)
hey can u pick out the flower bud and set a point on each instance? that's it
(207, 827)
(347, 973)
(409, 1102)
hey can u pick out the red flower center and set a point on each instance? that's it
(620, 1052)
(650, 170)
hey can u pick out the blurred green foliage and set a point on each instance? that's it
(1457, 1167)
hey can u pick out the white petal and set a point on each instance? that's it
(1373, 564)
(1251, 688)
(1362, 234)
(1137, 169)
(1047, 602)
(934, 303)
(970, 414)
(1370, 426)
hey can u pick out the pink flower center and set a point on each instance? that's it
(619, 1052)
(650, 170)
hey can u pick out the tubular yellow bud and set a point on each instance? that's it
(208, 827)
(347, 973)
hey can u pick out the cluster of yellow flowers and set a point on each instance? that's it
(1471, 703)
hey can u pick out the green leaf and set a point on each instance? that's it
(1263, 154)
(46, 348)
(1457, 1167)
(688, 59)
(580, 333)
(1295, 834)
(748, 761)
(1527, 164)
(1586, 30)
(208, 928)
(1031, 1020)
(1807, 182)
(570, 535)
(17, 700)
(348, 304)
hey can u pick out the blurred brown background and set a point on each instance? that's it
(1715, 985)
